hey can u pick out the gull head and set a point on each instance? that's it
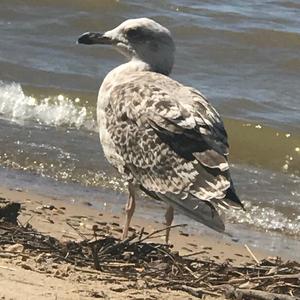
(138, 39)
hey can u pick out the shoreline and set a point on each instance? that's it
(52, 216)
(113, 202)
(54, 222)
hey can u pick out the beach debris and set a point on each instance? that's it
(252, 254)
(256, 294)
(15, 248)
(7, 268)
(48, 206)
(150, 265)
(9, 211)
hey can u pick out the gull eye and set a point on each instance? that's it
(134, 33)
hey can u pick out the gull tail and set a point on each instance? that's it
(200, 211)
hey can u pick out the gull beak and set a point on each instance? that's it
(90, 38)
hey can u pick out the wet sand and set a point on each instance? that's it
(243, 56)
(21, 276)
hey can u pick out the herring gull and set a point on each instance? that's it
(163, 137)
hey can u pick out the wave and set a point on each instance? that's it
(54, 111)
(265, 219)
(251, 143)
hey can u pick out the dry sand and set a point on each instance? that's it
(22, 277)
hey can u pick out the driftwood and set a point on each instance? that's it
(255, 294)
(158, 266)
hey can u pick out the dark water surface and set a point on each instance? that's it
(244, 56)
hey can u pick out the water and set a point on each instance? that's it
(243, 56)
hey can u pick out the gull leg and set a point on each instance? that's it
(169, 216)
(129, 209)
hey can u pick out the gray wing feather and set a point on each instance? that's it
(192, 207)
(172, 140)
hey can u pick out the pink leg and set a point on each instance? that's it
(169, 216)
(129, 209)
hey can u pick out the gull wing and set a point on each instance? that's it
(173, 143)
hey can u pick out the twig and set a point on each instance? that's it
(252, 254)
(95, 257)
(197, 292)
(278, 276)
(161, 230)
(141, 233)
(170, 256)
(8, 255)
(194, 253)
(256, 294)
(77, 231)
(86, 270)
(13, 253)
(191, 272)
(26, 223)
(7, 268)
(118, 265)
(110, 248)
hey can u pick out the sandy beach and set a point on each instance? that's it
(244, 57)
(23, 276)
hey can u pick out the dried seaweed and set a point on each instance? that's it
(159, 266)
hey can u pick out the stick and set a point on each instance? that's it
(260, 295)
(95, 257)
(87, 270)
(274, 277)
(169, 255)
(26, 223)
(7, 268)
(277, 276)
(77, 231)
(110, 248)
(161, 230)
(191, 272)
(194, 253)
(13, 254)
(118, 265)
(141, 233)
(197, 292)
(8, 255)
(252, 254)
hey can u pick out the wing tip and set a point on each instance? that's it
(233, 198)
(201, 211)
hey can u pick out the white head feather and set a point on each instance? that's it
(139, 39)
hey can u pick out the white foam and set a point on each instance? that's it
(266, 218)
(53, 111)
